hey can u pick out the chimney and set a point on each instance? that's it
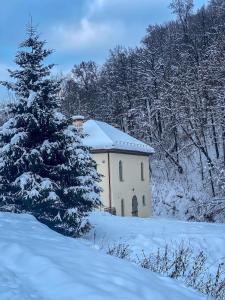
(78, 121)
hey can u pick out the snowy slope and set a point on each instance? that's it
(150, 234)
(37, 263)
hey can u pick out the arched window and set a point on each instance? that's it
(122, 208)
(120, 170)
(143, 200)
(142, 171)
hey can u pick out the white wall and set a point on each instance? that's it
(131, 184)
(102, 168)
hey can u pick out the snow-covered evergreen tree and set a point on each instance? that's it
(44, 168)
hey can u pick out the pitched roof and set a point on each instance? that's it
(101, 135)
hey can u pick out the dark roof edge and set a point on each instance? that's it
(132, 152)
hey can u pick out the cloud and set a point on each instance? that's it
(87, 33)
(96, 5)
(104, 24)
(126, 7)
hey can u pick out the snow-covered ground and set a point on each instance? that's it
(150, 234)
(37, 263)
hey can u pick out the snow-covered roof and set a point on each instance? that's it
(77, 117)
(101, 135)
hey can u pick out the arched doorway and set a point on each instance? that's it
(134, 207)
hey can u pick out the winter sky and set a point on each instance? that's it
(78, 29)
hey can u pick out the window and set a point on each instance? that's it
(120, 170)
(142, 172)
(122, 208)
(143, 200)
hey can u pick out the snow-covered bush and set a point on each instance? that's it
(175, 194)
(181, 263)
(119, 250)
(44, 168)
(187, 196)
(212, 210)
(191, 268)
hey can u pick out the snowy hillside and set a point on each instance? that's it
(37, 263)
(191, 253)
(151, 234)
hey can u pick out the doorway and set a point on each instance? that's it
(134, 206)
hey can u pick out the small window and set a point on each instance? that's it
(142, 172)
(143, 200)
(120, 170)
(122, 208)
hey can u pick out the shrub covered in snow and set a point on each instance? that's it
(180, 263)
(44, 168)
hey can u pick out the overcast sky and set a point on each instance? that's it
(78, 29)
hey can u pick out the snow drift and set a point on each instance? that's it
(152, 233)
(37, 263)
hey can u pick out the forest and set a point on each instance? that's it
(169, 92)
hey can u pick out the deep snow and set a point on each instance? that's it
(153, 233)
(37, 263)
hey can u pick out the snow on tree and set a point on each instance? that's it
(44, 168)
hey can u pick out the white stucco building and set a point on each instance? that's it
(124, 163)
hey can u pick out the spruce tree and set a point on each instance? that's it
(44, 168)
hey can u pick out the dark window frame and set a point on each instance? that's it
(121, 171)
(142, 172)
(143, 200)
(122, 207)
